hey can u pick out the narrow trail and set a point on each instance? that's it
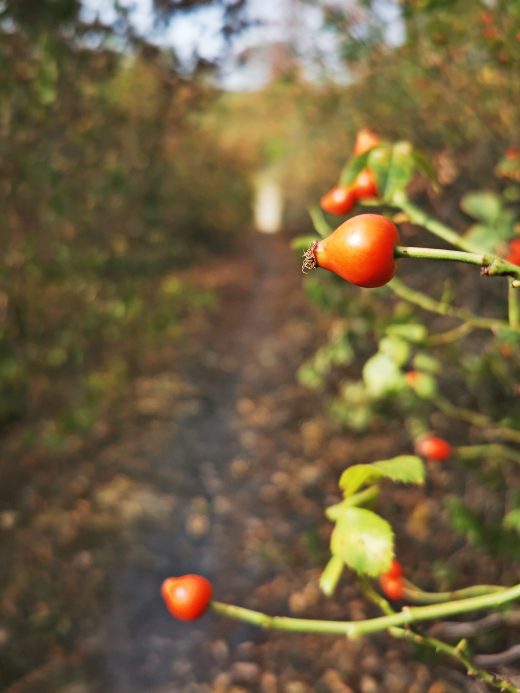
(216, 464)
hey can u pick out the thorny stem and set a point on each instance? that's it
(353, 629)
(392, 622)
(441, 308)
(449, 336)
(418, 216)
(459, 652)
(491, 265)
(469, 452)
(476, 419)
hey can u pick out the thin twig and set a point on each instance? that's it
(352, 629)
(458, 653)
(441, 308)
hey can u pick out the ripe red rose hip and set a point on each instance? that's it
(339, 200)
(365, 186)
(393, 588)
(514, 252)
(187, 597)
(395, 570)
(434, 448)
(391, 581)
(365, 140)
(361, 251)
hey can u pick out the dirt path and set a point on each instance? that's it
(219, 467)
(232, 485)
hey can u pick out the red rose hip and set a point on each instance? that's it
(187, 597)
(393, 588)
(339, 200)
(434, 448)
(365, 186)
(391, 581)
(361, 251)
(365, 140)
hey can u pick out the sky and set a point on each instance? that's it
(197, 33)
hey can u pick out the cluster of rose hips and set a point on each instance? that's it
(342, 198)
(361, 250)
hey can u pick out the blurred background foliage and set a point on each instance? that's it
(108, 184)
(127, 162)
(120, 163)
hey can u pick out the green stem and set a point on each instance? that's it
(491, 265)
(450, 336)
(354, 629)
(471, 452)
(418, 216)
(513, 306)
(480, 421)
(431, 305)
(333, 512)
(319, 222)
(458, 653)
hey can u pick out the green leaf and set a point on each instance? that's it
(424, 385)
(413, 332)
(355, 418)
(482, 237)
(401, 169)
(512, 520)
(331, 575)
(353, 168)
(321, 225)
(309, 377)
(342, 352)
(425, 362)
(358, 475)
(334, 512)
(379, 162)
(364, 541)
(352, 407)
(484, 206)
(382, 375)
(406, 469)
(508, 168)
(396, 349)
(424, 165)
